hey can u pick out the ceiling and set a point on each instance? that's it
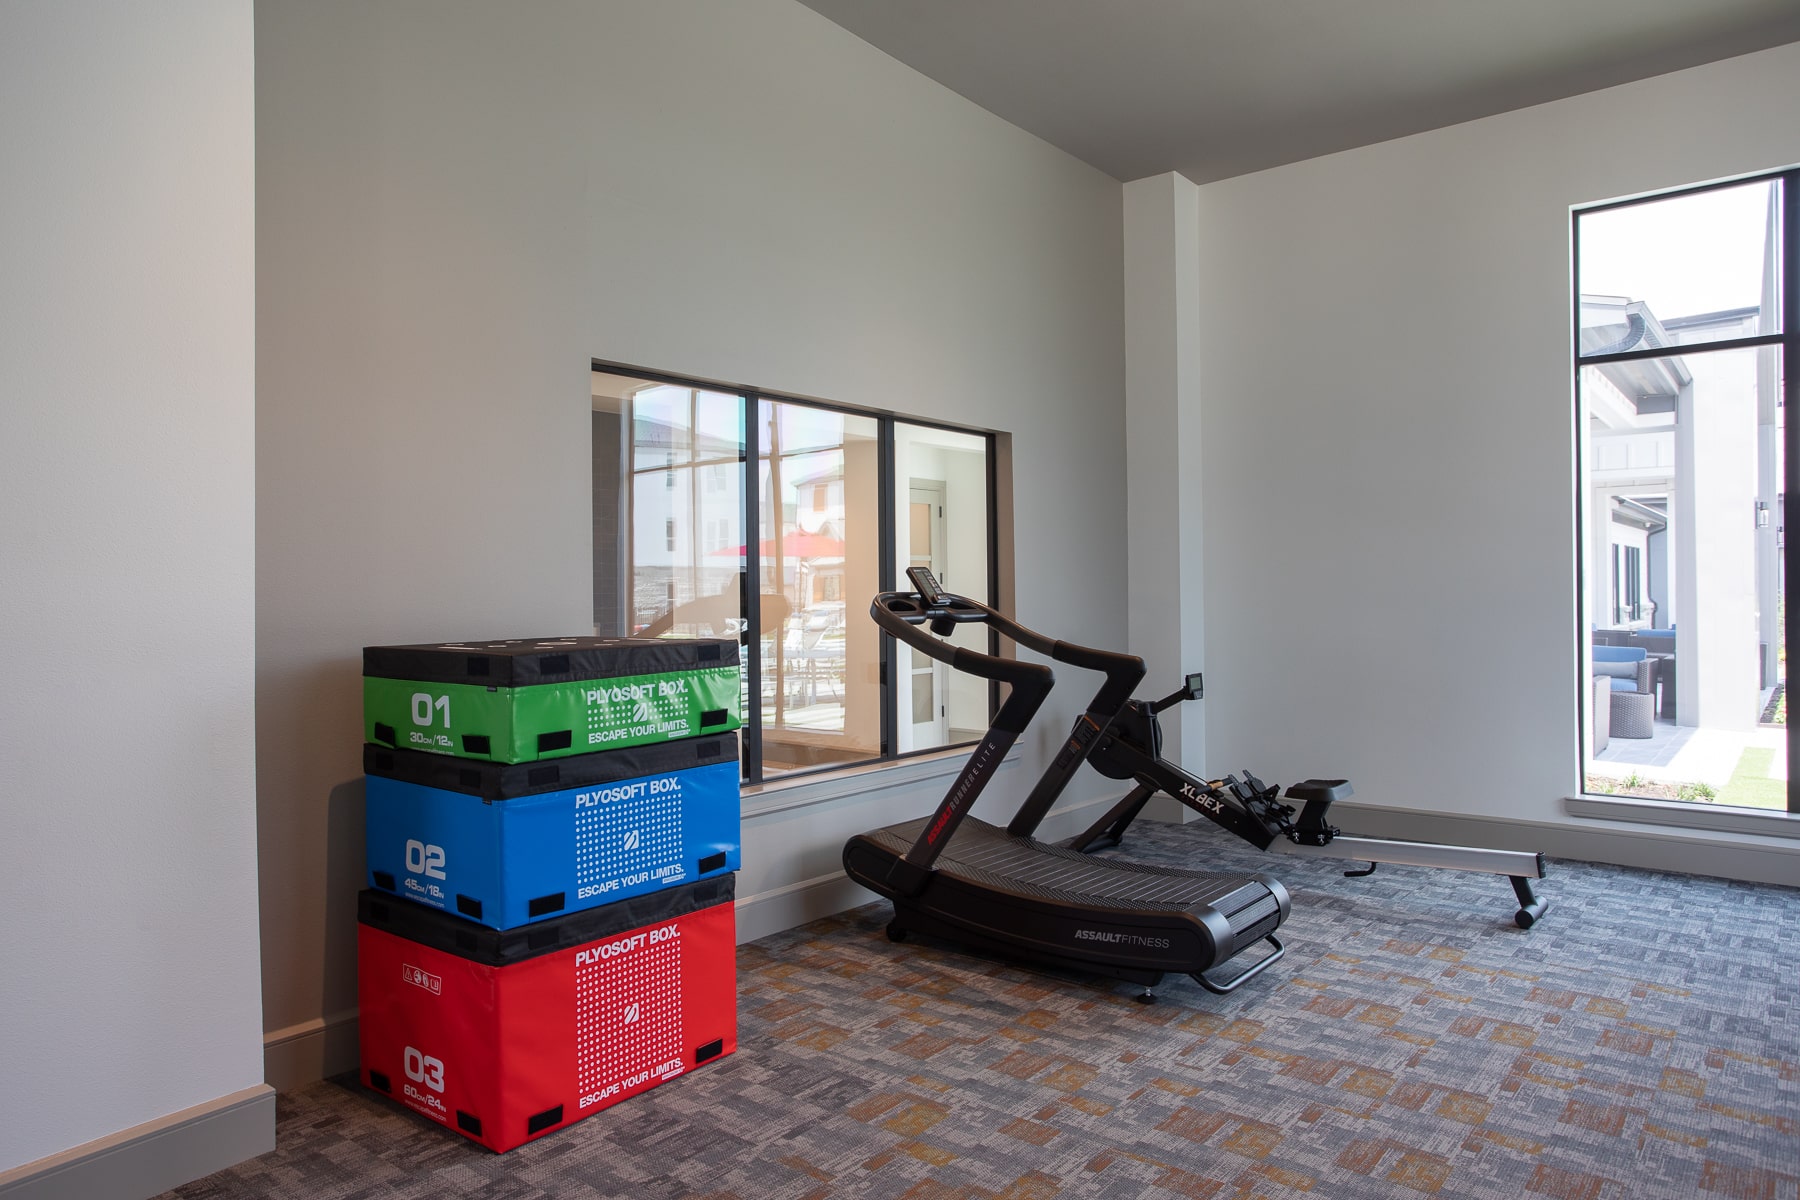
(1215, 88)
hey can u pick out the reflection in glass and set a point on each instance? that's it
(687, 486)
(821, 693)
(674, 556)
(668, 511)
(940, 484)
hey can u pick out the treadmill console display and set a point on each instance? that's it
(926, 584)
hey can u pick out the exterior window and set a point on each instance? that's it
(1634, 592)
(831, 491)
(1683, 330)
(1627, 588)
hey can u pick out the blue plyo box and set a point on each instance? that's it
(507, 844)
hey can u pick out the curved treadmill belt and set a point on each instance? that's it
(990, 857)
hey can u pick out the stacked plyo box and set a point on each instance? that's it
(552, 834)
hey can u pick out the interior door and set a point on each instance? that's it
(930, 679)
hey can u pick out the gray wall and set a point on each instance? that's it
(128, 977)
(1388, 473)
(461, 203)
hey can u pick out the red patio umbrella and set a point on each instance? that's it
(794, 545)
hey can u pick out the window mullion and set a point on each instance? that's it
(1680, 351)
(993, 563)
(885, 521)
(752, 586)
(1790, 450)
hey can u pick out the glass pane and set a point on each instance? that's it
(919, 548)
(674, 532)
(1684, 271)
(940, 482)
(924, 699)
(662, 425)
(821, 692)
(1686, 660)
(687, 512)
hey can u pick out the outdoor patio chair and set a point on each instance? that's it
(1632, 677)
(1660, 644)
(814, 659)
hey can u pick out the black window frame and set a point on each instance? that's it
(751, 397)
(1787, 339)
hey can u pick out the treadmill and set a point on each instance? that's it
(1004, 893)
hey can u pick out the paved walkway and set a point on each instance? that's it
(1689, 754)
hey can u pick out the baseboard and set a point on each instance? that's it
(156, 1156)
(1684, 816)
(1655, 848)
(325, 1046)
(1161, 807)
(1750, 860)
(763, 913)
(1727, 853)
(310, 1051)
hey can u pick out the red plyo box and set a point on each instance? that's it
(505, 1035)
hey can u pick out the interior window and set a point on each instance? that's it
(832, 489)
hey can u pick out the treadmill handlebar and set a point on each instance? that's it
(1123, 673)
(915, 609)
(901, 614)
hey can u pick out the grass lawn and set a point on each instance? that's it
(1750, 785)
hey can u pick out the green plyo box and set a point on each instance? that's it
(523, 700)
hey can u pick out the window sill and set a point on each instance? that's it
(1708, 817)
(784, 795)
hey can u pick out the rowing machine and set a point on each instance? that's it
(1132, 749)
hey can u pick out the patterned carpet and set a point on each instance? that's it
(1641, 1041)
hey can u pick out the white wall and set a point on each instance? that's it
(461, 203)
(127, 849)
(1163, 428)
(1388, 464)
